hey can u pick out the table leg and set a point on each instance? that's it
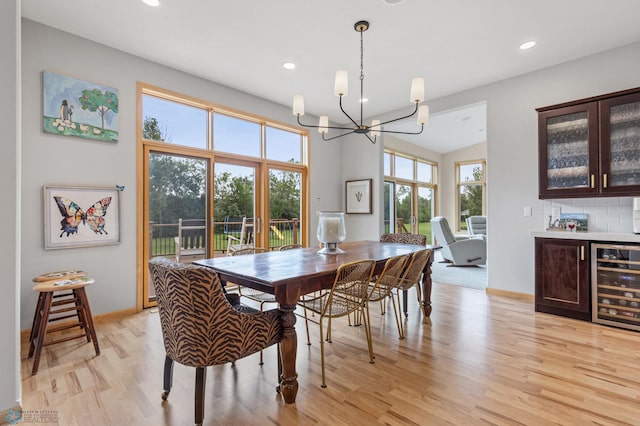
(405, 302)
(288, 349)
(426, 288)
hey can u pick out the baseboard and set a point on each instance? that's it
(109, 316)
(507, 293)
(3, 414)
(115, 314)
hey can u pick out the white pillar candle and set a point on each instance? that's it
(331, 230)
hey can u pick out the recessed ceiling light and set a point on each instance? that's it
(527, 45)
(289, 65)
(153, 3)
(392, 2)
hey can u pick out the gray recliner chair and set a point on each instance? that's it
(460, 250)
(477, 225)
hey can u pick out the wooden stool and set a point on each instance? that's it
(61, 293)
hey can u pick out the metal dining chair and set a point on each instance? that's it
(348, 296)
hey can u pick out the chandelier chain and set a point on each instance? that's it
(361, 79)
(361, 57)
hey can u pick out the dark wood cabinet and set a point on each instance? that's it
(562, 277)
(590, 147)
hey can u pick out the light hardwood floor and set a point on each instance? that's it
(481, 359)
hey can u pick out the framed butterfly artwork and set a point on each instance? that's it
(76, 216)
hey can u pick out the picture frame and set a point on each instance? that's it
(79, 108)
(80, 216)
(358, 196)
(574, 222)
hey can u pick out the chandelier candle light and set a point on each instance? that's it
(331, 231)
(341, 89)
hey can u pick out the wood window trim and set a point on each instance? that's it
(144, 146)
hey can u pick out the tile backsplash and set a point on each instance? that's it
(607, 214)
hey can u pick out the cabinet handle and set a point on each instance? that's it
(593, 181)
(581, 252)
(604, 180)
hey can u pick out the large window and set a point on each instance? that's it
(470, 191)
(409, 194)
(200, 162)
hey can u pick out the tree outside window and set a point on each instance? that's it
(471, 185)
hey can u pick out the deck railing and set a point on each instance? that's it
(281, 232)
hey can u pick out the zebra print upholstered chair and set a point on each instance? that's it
(404, 238)
(201, 328)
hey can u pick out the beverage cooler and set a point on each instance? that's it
(615, 285)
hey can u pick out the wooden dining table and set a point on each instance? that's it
(292, 273)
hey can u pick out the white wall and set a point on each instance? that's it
(512, 155)
(10, 213)
(52, 159)
(512, 150)
(363, 160)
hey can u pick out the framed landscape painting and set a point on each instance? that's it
(80, 216)
(73, 107)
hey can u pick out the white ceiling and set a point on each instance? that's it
(454, 45)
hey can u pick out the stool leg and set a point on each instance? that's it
(42, 331)
(37, 317)
(81, 314)
(82, 295)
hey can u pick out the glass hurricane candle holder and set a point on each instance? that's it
(331, 231)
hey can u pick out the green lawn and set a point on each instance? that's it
(425, 229)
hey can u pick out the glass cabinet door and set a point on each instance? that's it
(568, 151)
(620, 144)
(615, 278)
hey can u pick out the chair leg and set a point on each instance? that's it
(168, 377)
(419, 293)
(367, 330)
(279, 368)
(201, 378)
(324, 384)
(261, 360)
(405, 302)
(397, 314)
(306, 324)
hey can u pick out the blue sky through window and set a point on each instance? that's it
(185, 125)
(180, 124)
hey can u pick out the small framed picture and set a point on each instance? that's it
(358, 196)
(80, 216)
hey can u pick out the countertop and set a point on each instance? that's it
(591, 236)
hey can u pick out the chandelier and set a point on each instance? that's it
(375, 129)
